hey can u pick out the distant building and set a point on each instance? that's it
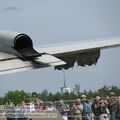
(65, 88)
(76, 90)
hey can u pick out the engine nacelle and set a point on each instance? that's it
(19, 42)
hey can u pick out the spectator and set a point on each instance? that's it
(50, 106)
(38, 105)
(23, 113)
(95, 107)
(78, 109)
(112, 105)
(86, 110)
(119, 102)
(118, 114)
(103, 110)
(10, 110)
(31, 107)
(83, 97)
(63, 109)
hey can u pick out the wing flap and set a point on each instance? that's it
(17, 65)
(49, 59)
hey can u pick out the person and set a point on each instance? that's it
(103, 111)
(10, 110)
(95, 107)
(38, 105)
(112, 105)
(63, 109)
(50, 107)
(84, 97)
(23, 113)
(118, 112)
(78, 109)
(86, 110)
(31, 107)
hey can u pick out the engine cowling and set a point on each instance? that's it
(19, 42)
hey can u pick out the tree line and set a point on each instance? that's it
(18, 96)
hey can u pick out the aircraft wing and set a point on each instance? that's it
(82, 52)
(17, 53)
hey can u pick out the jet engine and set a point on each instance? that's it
(18, 43)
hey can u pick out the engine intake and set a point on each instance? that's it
(21, 43)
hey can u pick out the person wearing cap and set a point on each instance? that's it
(86, 108)
(83, 96)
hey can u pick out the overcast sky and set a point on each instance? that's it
(56, 21)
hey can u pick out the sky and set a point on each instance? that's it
(57, 21)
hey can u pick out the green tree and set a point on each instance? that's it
(15, 96)
(44, 95)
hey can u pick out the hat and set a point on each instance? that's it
(83, 96)
(112, 93)
(98, 97)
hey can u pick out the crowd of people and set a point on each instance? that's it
(99, 108)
